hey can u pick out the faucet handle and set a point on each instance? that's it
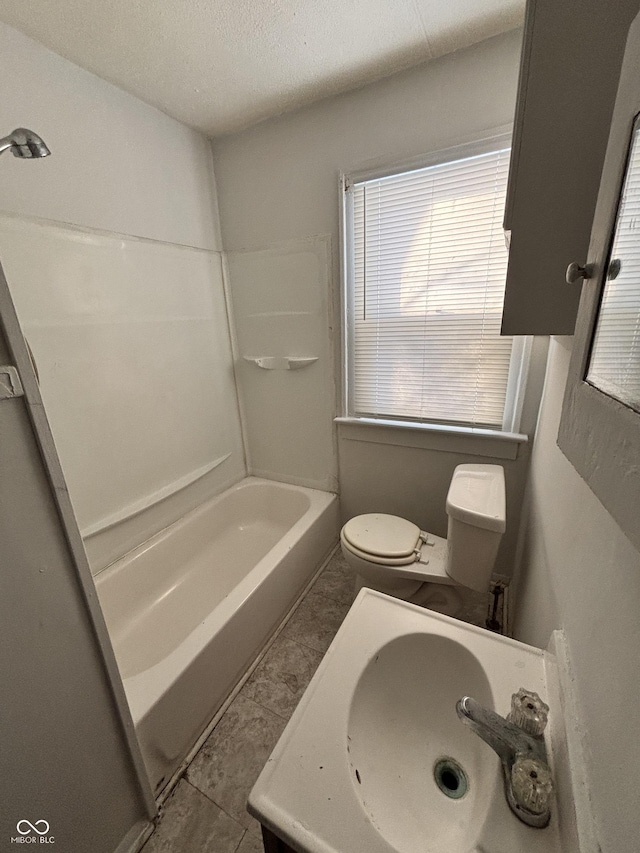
(531, 784)
(529, 712)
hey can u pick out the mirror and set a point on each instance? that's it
(614, 364)
(599, 429)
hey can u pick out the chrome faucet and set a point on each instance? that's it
(24, 143)
(527, 778)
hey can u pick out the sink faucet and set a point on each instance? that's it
(527, 778)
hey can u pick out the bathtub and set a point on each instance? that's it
(188, 610)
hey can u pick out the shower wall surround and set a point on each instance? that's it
(131, 342)
(281, 311)
(112, 251)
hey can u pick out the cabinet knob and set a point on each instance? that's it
(575, 272)
(614, 269)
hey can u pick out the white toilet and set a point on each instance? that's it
(392, 555)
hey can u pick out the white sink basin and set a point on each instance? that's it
(354, 769)
(401, 725)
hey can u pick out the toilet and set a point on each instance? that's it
(393, 555)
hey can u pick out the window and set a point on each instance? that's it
(425, 264)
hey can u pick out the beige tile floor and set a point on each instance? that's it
(206, 813)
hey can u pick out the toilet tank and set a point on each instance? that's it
(476, 506)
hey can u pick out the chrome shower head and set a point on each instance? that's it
(24, 143)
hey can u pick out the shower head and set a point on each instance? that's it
(24, 143)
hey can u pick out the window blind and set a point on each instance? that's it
(428, 275)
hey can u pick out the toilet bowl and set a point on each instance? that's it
(392, 555)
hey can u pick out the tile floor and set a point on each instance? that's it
(206, 812)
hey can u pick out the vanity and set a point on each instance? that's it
(376, 758)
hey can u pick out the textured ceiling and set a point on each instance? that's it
(221, 65)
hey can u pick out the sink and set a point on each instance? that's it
(401, 724)
(375, 759)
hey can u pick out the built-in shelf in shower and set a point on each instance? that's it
(280, 362)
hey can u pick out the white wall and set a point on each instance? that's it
(278, 184)
(111, 247)
(580, 573)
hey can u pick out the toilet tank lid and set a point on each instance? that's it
(382, 535)
(477, 496)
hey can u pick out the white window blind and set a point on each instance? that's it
(428, 268)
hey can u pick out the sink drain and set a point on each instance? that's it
(451, 778)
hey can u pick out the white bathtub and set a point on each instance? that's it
(188, 610)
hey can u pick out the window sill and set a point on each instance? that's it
(465, 440)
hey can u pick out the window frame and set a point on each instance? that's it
(522, 345)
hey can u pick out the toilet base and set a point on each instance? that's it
(442, 598)
(402, 588)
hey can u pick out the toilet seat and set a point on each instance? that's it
(383, 539)
(378, 559)
(427, 564)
